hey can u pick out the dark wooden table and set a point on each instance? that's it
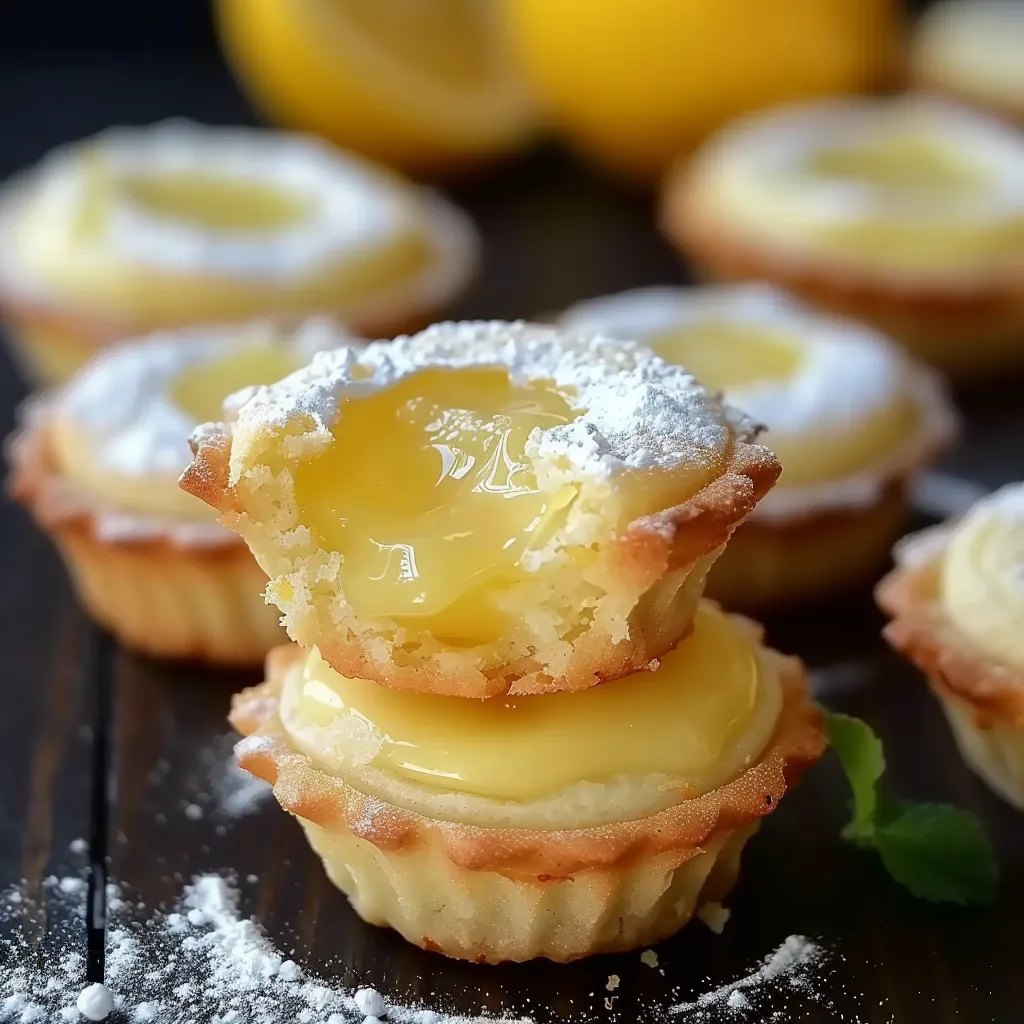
(100, 744)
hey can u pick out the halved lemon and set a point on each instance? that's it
(420, 84)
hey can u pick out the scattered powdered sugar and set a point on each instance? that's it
(790, 963)
(635, 411)
(42, 936)
(204, 960)
(225, 789)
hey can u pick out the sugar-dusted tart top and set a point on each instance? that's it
(465, 487)
(116, 436)
(907, 185)
(845, 409)
(180, 223)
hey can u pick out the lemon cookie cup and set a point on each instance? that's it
(97, 463)
(555, 825)
(849, 417)
(972, 51)
(956, 599)
(906, 213)
(145, 229)
(485, 508)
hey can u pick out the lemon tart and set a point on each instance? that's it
(849, 417)
(972, 51)
(554, 825)
(97, 464)
(485, 507)
(956, 598)
(145, 229)
(906, 213)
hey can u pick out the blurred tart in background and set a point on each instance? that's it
(555, 825)
(426, 87)
(97, 465)
(906, 213)
(850, 418)
(486, 507)
(145, 229)
(972, 50)
(636, 83)
(956, 599)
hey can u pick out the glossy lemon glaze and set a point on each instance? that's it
(428, 496)
(700, 718)
(737, 358)
(982, 576)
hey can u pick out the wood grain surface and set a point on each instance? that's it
(133, 753)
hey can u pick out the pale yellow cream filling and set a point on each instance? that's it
(734, 358)
(932, 175)
(198, 393)
(430, 499)
(701, 718)
(982, 581)
(91, 272)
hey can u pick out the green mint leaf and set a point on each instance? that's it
(860, 752)
(939, 853)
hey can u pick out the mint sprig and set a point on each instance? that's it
(937, 852)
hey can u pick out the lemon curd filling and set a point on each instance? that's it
(982, 576)
(701, 718)
(741, 359)
(136, 467)
(429, 498)
(431, 501)
(217, 202)
(199, 390)
(922, 166)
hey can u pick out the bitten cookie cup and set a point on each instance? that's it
(145, 229)
(485, 508)
(96, 464)
(487, 880)
(956, 603)
(849, 416)
(905, 213)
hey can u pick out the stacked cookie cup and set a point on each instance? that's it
(508, 723)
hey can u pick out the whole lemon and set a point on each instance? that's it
(634, 83)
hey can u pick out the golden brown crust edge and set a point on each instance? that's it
(648, 550)
(329, 802)
(918, 629)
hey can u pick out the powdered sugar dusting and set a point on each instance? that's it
(635, 410)
(122, 399)
(844, 374)
(791, 962)
(340, 206)
(219, 966)
(203, 959)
